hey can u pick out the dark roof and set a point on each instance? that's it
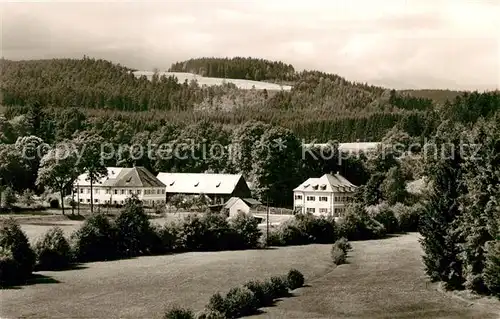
(134, 177)
(249, 201)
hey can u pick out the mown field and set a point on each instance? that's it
(383, 279)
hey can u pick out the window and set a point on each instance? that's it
(138, 192)
(88, 190)
(81, 200)
(323, 199)
(96, 190)
(107, 190)
(88, 200)
(158, 191)
(311, 210)
(298, 197)
(116, 192)
(323, 210)
(163, 191)
(96, 201)
(81, 190)
(123, 192)
(311, 198)
(130, 192)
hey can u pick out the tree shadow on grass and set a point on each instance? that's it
(35, 279)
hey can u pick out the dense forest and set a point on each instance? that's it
(237, 68)
(320, 106)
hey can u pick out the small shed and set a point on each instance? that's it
(237, 204)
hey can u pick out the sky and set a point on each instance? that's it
(435, 44)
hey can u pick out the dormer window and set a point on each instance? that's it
(172, 184)
(196, 185)
(129, 179)
(323, 187)
(306, 186)
(315, 187)
(218, 184)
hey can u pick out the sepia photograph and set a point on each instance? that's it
(221, 159)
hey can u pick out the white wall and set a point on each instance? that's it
(239, 205)
(103, 195)
(321, 207)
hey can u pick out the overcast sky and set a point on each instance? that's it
(396, 43)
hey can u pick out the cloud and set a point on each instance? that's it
(418, 44)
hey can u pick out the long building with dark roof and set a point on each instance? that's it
(119, 184)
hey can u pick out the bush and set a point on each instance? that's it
(217, 303)
(53, 250)
(193, 232)
(240, 302)
(316, 229)
(343, 244)
(290, 233)
(408, 216)
(384, 215)
(8, 267)
(95, 240)
(135, 236)
(178, 313)
(279, 286)
(491, 272)
(338, 255)
(274, 238)
(218, 234)
(358, 225)
(13, 239)
(295, 279)
(246, 228)
(262, 291)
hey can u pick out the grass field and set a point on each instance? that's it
(384, 279)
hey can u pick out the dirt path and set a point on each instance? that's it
(384, 279)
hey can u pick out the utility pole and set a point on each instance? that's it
(267, 220)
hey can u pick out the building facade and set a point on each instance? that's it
(326, 195)
(119, 184)
(219, 188)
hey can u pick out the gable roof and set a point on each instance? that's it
(249, 201)
(327, 183)
(123, 177)
(200, 183)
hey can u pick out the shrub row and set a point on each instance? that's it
(243, 300)
(132, 235)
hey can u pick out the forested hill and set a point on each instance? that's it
(237, 68)
(320, 106)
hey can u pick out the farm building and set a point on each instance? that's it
(119, 184)
(326, 195)
(237, 204)
(218, 187)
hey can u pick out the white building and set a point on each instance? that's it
(218, 187)
(120, 184)
(235, 205)
(326, 195)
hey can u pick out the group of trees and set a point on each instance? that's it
(320, 106)
(461, 222)
(237, 68)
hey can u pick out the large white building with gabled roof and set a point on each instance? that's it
(218, 187)
(118, 185)
(326, 195)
